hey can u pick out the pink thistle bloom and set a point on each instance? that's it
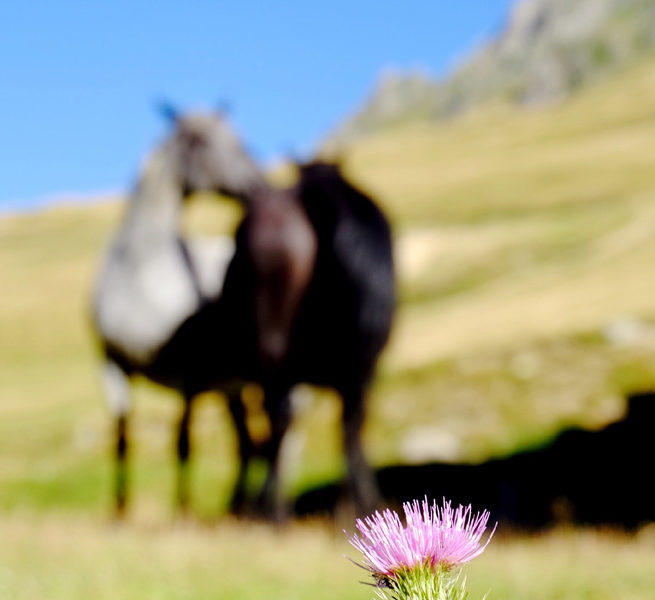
(437, 537)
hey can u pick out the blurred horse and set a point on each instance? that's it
(244, 335)
(152, 279)
(308, 297)
(330, 329)
(349, 307)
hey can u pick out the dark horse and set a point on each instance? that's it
(333, 334)
(245, 334)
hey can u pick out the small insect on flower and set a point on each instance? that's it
(438, 538)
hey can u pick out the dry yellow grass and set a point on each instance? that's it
(74, 558)
(535, 302)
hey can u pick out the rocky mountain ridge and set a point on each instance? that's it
(547, 50)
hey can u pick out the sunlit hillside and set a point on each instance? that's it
(525, 243)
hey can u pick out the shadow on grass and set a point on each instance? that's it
(583, 477)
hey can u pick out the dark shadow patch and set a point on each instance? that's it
(583, 477)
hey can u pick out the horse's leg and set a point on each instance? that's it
(235, 404)
(183, 452)
(360, 477)
(278, 407)
(117, 391)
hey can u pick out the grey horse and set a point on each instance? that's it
(152, 279)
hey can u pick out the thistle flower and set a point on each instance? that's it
(422, 552)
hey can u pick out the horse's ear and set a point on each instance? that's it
(223, 107)
(168, 111)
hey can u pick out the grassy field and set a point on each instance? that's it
(525, 245)
(80, 558)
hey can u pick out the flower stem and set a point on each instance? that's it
(423, 583)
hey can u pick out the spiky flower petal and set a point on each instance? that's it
(439, 537)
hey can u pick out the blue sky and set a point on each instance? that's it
(79, 80)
